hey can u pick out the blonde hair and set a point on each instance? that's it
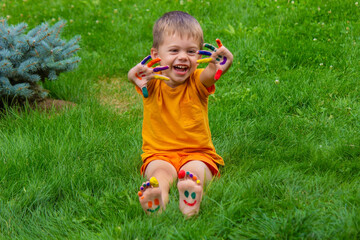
(177, 22)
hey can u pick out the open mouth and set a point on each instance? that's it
(190, 204)
(181, 69)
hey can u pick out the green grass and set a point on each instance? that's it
(292, 150)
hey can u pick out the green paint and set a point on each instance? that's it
(186, 193)
(193, 195)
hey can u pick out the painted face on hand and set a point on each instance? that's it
(192, 200)
(153, 207)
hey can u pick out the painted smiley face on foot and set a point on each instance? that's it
(150, 204)
(193, 196)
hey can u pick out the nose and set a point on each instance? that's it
(182, 55)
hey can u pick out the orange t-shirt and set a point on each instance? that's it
(176, 119)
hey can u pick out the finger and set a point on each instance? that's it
(152, 62)
(158, 69)
(160, 77)
(202, 52)
(219, 43)
(145, 60)
(145, 92)
(204, 60)
(224, 61)
(211, 47)
(218, 74)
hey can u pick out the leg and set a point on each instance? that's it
(155, 198)
(190, 191)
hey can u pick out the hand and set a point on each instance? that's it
(221, 57)
(142, 73)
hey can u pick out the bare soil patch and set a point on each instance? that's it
(118, 93)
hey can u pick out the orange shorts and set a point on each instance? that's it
(180, 159)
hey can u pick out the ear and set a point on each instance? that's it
(154, 53)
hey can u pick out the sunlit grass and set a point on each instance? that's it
(285, 118)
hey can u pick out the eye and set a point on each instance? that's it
(186, 193)
(192, 52)
(193, 195)
(173, 50)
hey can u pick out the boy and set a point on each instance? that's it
(176, 134)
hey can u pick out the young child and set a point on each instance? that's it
(176, 134)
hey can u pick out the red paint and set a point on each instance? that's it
(181, 174)
(152, 62)
(218, 74)
(190, 204)
(137, 76)
(219, 43)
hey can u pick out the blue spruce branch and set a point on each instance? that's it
(27, 58)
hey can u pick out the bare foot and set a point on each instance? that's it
(190, 193)
(150, 197)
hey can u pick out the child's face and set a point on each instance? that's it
(180, 55)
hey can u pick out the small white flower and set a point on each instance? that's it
(89, 33)
(277, 81)
(319, 8)
(321, 64)
(71, 21)
(72, 6)
(8, 16)
(292, 2)
(356, 3)
(329, 40)
(329, 11)
(331, 66)
(53, 19)
(278, 6)
(97, 21)
(314, 39)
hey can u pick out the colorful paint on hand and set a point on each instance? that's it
(152, 62)
(145, 92)
(204, 60)
(224, 61)
(218, 74)
(202, 52)
(143, 62)
(158, 69)
(219, 43)
(211, 47)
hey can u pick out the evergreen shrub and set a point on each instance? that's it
(26, 59)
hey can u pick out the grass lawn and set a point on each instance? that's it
(286, 119)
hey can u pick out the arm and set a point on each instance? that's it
(220, 61)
